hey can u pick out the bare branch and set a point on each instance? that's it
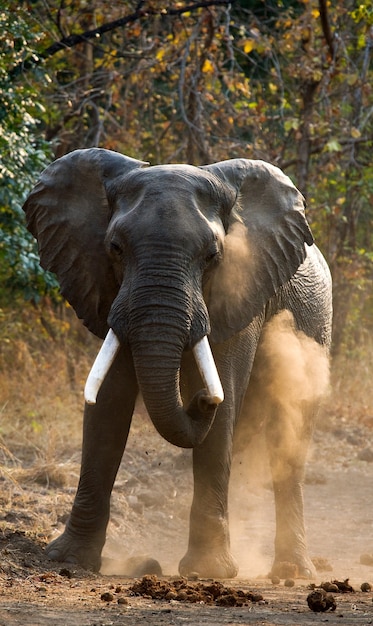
(140, 13)
(326, 26)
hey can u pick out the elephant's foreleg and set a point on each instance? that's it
(209, 544)
(288, 437)
(105, 431)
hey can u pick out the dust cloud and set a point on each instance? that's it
(231, 276)
(290, 379)
(152, 498)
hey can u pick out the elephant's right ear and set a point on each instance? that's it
(68, 213)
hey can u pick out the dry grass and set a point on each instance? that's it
(39, 410)
(44, 360)
(351, 394)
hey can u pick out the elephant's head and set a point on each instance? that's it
(164, 256)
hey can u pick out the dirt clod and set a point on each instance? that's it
(137, 566)
(366, 559)
(344, 586)
(107, 596)
(275, 580)
(321, 601)
(183, 591)
(65, 572)
(330, 587)
(122, 600)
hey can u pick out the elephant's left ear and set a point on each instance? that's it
(264, 246)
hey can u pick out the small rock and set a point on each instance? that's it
(275, 580)
(171, 595)
(257, 597)
(289, 582)
(107, 596)
(366, 559)
(320, 601)
(366, 587)
(182, 595)
(138, 566)
(122, 600)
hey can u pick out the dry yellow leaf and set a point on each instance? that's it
(207, 67)
(249, 45)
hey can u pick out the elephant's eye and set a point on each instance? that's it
(115, 248)
(213, 256)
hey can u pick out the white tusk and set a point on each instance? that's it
(101, 366)
(206, 365)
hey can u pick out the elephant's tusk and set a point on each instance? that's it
(206, 365)
(100, 367)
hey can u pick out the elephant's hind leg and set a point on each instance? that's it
(291, 376)
(287, 455)
(296, 377)
(287, 469)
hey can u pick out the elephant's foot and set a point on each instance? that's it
(208, 565)
(293, 568)
(75, 550)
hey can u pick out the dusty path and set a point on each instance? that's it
(150, 507)
(79, 604)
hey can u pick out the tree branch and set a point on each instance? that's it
(140, 13)
(319, 147)
(326, 26)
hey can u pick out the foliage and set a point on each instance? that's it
(168, 81)
(23, 152)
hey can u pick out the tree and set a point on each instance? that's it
(23, 151)
(166, 81)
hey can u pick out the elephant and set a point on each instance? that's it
(163, 262)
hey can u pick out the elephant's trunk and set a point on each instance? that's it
(159, 382)
(159, 315)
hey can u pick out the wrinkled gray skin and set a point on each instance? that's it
(147, 251)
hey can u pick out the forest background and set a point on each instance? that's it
(290, 82)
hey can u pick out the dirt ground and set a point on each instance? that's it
(150, 508)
